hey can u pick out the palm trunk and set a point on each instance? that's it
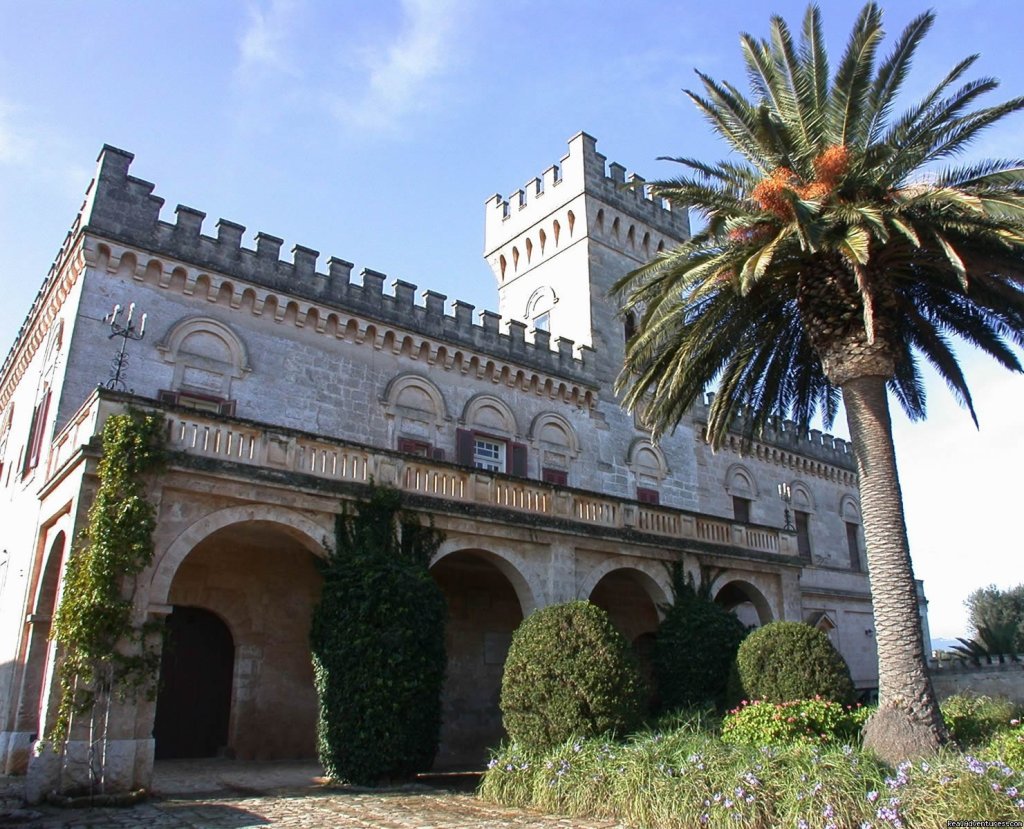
(908, 722)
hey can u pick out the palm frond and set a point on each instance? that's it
(853, 78)
(892, 73)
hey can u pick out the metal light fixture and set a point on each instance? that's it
(126, 331)
(786, 494)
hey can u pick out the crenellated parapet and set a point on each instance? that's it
(583, 170)
(124, 209)
(782, 442)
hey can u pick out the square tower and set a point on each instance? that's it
(557, 245)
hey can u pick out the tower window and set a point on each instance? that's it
(543, 321)
(741, 509)
(853, 543)
(803, 533)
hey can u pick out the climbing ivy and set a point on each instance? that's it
(104, 651)
(378, 646)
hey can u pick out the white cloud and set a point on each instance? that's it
(264, 43)
(399, 74)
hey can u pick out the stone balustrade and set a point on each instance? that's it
(216, 437)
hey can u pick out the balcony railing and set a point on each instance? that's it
(212, 436)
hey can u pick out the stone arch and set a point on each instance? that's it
(307, 532)
(491, 414)
(736, 593)
(206, 354)
(803, 497)
(740, 482)
(541, 301)
(36, 700)
(655, 586)
(849, 509)
(554, 429)
(647, 463)
(509, 563)
(416, 408)
(254, 568)
(488, 596)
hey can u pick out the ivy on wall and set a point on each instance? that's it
(104, 652)
(378, 646)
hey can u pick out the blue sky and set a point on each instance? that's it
(375, 132)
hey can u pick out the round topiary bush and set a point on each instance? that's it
(785, 661)
(569, 673)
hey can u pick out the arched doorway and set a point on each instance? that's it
(31, 712)
(196, 668)
(483, 611)
(261, 580)
(746, 601)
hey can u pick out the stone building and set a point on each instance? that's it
(286, 388)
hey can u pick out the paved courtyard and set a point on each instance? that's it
(225, 795)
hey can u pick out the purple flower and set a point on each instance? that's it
(872, 796)
(974, 765)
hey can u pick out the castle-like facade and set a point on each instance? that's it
(287, 387)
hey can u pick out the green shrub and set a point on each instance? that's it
(569, 673)
(817, 721)
(974, 720)
(696, 644)
(785, 661)
(378, 647)
(1008, 745)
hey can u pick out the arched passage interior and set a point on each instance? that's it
(260, 580)
(746, 601)
(483, 611)
(626, 596)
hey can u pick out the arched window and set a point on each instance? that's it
(208, 357)
(539, 306)
(417, 409)
(742, 488)
(647, 463)
(488, 439)
(556, 444)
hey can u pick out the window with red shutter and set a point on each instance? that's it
(558, 477)
(648, 496)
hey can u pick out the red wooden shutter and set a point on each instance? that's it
(519, 459)
(648, 496)
(464, 447)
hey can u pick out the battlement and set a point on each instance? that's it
(123, 208)
(583, 170)
(784, 435)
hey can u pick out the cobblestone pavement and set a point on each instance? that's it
(223, 795)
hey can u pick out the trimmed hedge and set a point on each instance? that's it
(785, 661)
(378, 646)
(569, 673)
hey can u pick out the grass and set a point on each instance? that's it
(680, 774)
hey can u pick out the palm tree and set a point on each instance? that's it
(835, 256)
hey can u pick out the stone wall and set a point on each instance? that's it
(951, 677)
